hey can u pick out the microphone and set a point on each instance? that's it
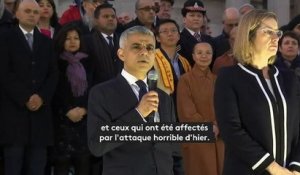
(152, 85)
(152, 79)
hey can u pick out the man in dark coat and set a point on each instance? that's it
(121, 100)
(193, 13)
(230, 20)
(28, 77)
(145, 11)
(103, 44)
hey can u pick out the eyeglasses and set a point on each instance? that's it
(149, 8)
(272, 32)
(232, 25)
(138, 48)
(172, 31)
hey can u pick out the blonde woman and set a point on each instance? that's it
(257, 106)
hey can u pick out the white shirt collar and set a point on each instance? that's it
(105, 35)
(192, 32)
(24, 31)
(130, 78)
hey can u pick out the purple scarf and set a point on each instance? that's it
(75, 72)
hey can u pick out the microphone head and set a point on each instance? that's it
(152, 75)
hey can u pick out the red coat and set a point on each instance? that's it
(71, 14)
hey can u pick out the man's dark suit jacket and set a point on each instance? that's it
(24, 72)
(105, 64)
(188, 41)
(114, 101)
(222, 44)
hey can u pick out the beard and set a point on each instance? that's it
(88, 20)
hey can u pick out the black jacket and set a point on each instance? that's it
(257, 126)
(188, 41)
(114, 101)
(24, 72)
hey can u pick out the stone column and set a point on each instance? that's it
(282, 10)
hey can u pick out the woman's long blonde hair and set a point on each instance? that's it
(243, 48)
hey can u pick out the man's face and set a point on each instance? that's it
(193, 21)
(124, 18)
(230, 23)
(138, 54)
(107, 21)
(9, 5)
(146, 12)
(164, 10)
(28, 14)
(168, 35)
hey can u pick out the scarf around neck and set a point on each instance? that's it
(75, 72)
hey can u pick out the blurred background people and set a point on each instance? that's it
(193, 13)
(195, 104)
(257, 105)
(145, 11)
(245, 8)
(230, 20)
(293, 25)
(227, 59)
(288, 55)
(83, 12)
(11, 5)
(124, 18)
(165, 9)
(205, 28)
(48, 23)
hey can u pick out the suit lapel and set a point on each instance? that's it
(189, 36)
(126, 90)
(21, 37)
(36, 39)
(124, 98)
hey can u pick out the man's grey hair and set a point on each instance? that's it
(134, 30)
(137, 4)
(2, 8)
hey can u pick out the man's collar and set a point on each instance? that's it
(130, 78)
(24, 31)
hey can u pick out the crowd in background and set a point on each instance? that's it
(46, 76)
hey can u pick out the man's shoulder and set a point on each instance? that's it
(109, 84)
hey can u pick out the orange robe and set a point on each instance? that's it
(195, 104)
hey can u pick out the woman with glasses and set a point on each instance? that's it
(257, 105)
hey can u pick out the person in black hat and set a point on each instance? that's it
(293, 25)
(193, 13)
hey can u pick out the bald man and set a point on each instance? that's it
(245, 8)
(145, 11)
(28, 78)
(230, 20)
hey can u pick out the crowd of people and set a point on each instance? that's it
(62, 76)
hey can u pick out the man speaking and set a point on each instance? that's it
(126, 99)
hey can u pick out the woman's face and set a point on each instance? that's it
(289, 48)
(202, 55)
(46, 9)
(72, 42)
(266, 39)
